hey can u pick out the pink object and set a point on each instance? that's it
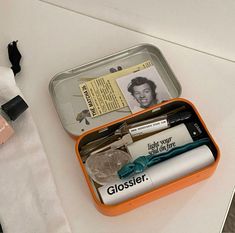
(6, 131)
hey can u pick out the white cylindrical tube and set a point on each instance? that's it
(160, 142)
(157, 175)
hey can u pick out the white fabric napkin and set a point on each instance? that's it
(28, 198)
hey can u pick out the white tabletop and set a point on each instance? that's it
(51, 40)
(206, 25)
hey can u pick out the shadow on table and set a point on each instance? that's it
(229, 226)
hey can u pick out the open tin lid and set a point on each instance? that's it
(71, 105)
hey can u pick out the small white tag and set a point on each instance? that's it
(148, 128)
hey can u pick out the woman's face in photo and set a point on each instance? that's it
(143, 94)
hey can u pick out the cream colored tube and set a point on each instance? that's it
(157, 175)
(160, 142)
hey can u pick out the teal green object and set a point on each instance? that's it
(141, 163)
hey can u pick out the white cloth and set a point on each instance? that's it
(28, 198)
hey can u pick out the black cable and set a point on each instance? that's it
(14, 57)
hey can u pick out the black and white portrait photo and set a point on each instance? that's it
(143, 89)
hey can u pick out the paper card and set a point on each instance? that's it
(143, 89)
(102, 95)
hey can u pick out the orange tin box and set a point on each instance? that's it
(78, 122)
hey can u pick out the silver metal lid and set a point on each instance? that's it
(68, 99)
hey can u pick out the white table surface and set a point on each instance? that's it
(51, 40)
(205, 25)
